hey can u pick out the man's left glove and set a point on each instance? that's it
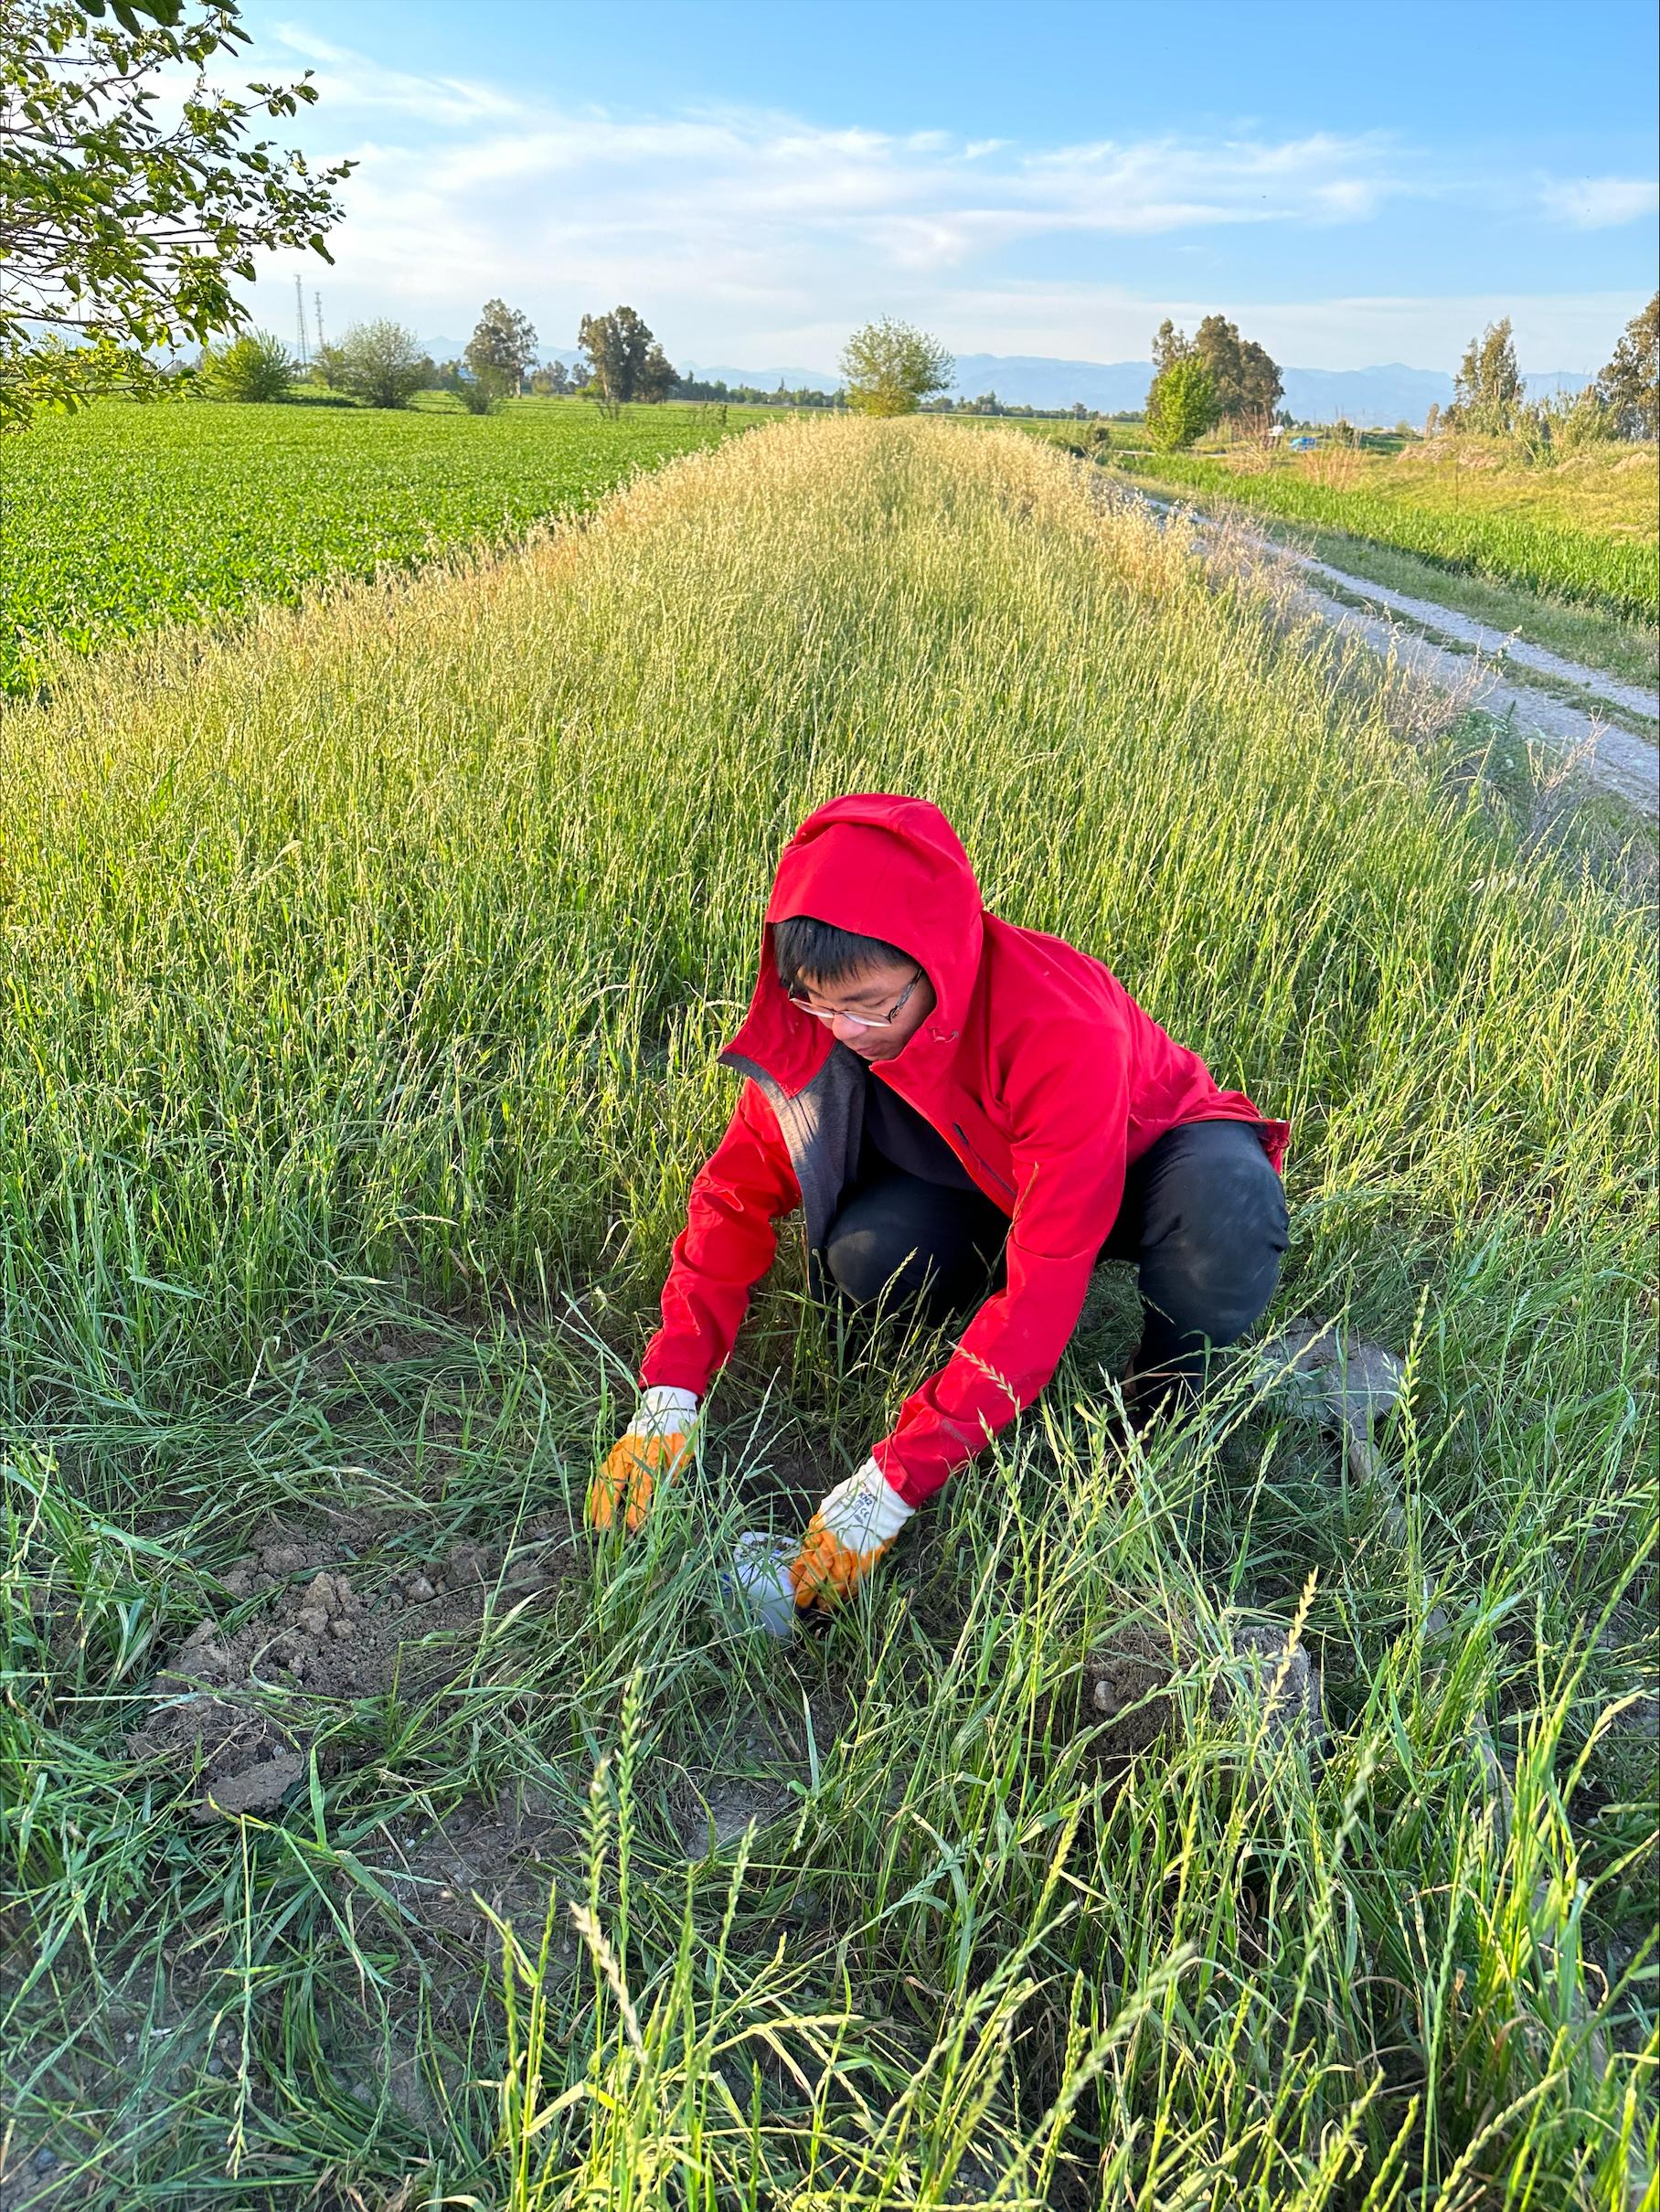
(654, 1444)
(846, 1537)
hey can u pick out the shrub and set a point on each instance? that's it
(256, 366)
(381, 364)
(1182, 404)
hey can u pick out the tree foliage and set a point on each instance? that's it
(1629, 388)
(1488, 394)
(1181, 403)
(121, 229)
(501, 349)
(257, 366)
(1246, 376)
(625, 360)
(380, 363)
(1169, 346)
(890, 368)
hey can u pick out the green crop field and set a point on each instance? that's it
(124, 516)
(1583, 532)
(365, 971)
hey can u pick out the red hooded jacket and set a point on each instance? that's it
(1035, 1066)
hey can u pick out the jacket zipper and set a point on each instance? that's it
(984, 1165)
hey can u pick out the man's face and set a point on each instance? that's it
(873, 994)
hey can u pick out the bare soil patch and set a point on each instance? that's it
(748, 1766)
(317, 1622)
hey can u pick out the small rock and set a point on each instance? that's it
(282, 1559)
(237, 1581)
(342, 1630)
(313, 1622)
(44, 2160)
(418, 1590)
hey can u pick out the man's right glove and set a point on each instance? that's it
(853, 1527)
(654, 1444)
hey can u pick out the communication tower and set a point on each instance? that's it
(300, 322)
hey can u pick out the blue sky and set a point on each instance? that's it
(1049, 181)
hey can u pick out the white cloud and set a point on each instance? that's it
(348, 79)
(1599, 203)
(746, 233)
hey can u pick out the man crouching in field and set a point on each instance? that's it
(969, 1115)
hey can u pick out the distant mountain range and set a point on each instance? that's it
(1370, 398)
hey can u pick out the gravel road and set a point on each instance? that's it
(1480, 666)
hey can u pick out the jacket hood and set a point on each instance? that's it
(885, 866)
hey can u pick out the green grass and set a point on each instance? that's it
(1120, 436)
(123, 518)
(1460, 519)
(364, 974)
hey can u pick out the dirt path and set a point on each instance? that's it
(1477, 661)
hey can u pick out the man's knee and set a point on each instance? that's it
(1211, 1253)
(867, 1264)
(902, 1242)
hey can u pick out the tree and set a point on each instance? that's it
(1261, 387)
(1182, 404)
(1246, 378)
(1169, 346)
(625, 360)
(501, 349)
(890, 368)
(1629, 388)
(1487, 392)
(328, 367)
(381, 364)
(656, 379)
(551, 381)
(121, 232)
(256, 366)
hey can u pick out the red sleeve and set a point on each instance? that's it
(725, 1249)
(1070, 1134)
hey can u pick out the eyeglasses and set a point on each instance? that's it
(859, 1021)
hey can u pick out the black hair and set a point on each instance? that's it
(808, 949)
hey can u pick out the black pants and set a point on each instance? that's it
(1203, 1218)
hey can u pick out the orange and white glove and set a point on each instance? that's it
(654, 1444)
(852, 1528)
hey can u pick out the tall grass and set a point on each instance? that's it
(371, 967)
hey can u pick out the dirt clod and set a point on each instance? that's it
(260, 1788)
(1341, 1381)
(1129, 1680)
